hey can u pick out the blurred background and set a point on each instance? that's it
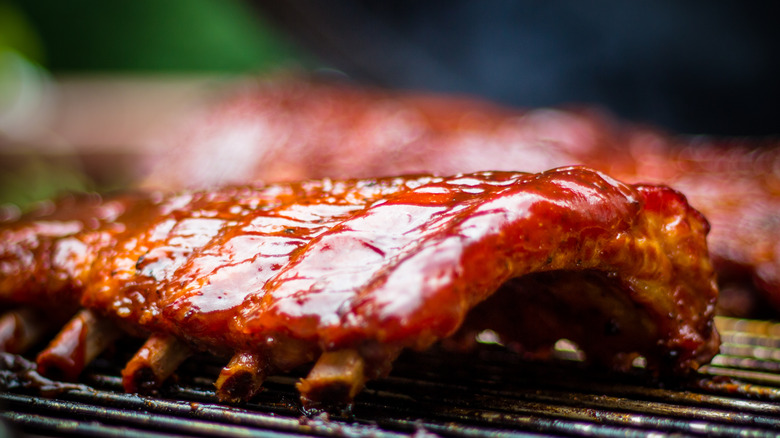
(85, 84)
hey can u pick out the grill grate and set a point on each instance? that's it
(486, 393)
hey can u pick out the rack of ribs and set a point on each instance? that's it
(346, 274)
(278, 130)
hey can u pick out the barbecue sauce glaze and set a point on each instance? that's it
(296, 269)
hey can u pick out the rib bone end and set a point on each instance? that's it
(242, 378)
(157, 359)
(335, 379)
(20, 329)
(82, 339)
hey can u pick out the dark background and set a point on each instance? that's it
(689, 66)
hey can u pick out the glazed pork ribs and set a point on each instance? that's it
(347, 273)
(284, 129)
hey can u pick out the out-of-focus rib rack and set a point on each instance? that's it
(490, 392)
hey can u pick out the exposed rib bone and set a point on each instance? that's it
(20, 329)
(82, 339)
(243, 377)
(335, 379)
(157, 359)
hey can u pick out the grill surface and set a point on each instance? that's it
(486, 393)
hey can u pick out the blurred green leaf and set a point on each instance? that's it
(152, 35)
(16, 33)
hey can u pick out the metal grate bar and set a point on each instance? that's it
(515, 412)
(487, 393)
(586, 388)
(40, 424)
(528, 408)
(360, 425)
(139, 418)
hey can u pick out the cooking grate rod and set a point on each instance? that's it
(560, 411)
(511, 384)
(154, 421)
(487, 393)
(133, 415)
(64, 426)
(385, 412)
(523, 381)
(157, 414)
(402, 403)
(516, 412)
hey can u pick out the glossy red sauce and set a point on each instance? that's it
(332, 264)
(283, 130)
